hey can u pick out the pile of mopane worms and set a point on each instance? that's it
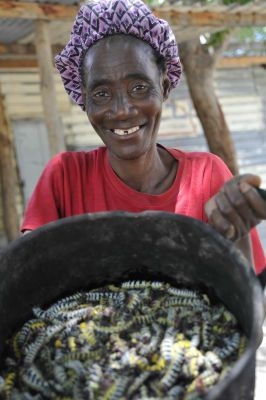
(135, 340)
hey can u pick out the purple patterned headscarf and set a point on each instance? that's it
(97, 19)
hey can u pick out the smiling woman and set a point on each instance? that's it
(123, 93)
(119, 66)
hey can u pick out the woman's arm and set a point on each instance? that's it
(236, 208)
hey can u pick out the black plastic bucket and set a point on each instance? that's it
(92, 250)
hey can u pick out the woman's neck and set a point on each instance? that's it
(153, 173)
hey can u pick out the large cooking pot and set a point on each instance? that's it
(92, 250)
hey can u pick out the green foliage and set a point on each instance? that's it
(250, 34)
(202, 2)
(215, 39)
(153, 3)
(240, 2)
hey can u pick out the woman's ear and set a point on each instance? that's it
(166, 87)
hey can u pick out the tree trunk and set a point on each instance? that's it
(198, 65)
(8, 177)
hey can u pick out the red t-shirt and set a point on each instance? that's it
(83, 182)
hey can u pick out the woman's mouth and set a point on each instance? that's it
(124, 132)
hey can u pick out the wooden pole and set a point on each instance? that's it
(50, 109)
(8, 176)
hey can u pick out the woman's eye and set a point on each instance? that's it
(140, 88)
(101, 93)
(101, 96)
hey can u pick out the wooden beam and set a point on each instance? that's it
(51, 113)
(29, 49)
(25, 10)
(241, 62)
(227, 62)
(19, 63)
(8, 175)
(179, 17)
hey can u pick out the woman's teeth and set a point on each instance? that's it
(122, 132)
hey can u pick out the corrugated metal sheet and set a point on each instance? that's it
(13, 30)
(22, 31)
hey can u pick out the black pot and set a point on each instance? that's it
(87, 251)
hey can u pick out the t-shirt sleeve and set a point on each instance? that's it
(44, 204)
(220, 174)
(258, 252)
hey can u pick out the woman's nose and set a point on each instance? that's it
(122, 105)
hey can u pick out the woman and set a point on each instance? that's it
(119, 66)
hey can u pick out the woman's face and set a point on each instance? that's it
(124, 91)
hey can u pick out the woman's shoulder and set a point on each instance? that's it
(69, 157)
(197, 156)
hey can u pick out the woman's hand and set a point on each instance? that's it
(237, 207)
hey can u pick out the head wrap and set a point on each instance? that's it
(97, 19)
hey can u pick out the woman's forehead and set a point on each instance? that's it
(118, 46)
(118, 56)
